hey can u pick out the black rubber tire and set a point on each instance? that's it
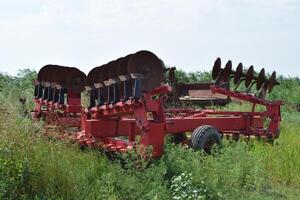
(204, 138)
(178, 138)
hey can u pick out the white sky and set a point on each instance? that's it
(187, 34)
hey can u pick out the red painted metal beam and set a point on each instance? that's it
(224, 124)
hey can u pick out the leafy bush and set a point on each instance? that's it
(192, 77)
(183, 188)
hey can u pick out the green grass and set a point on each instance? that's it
(35, 167)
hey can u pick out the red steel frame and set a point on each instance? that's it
(60, 114)
(148, 119)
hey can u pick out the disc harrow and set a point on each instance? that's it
(125, 78)
(263, 83)
(129, 104)
(57, 94)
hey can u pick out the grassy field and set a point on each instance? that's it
(33, 166)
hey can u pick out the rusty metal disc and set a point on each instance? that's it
(260, 79)
(150, 66)
(227, 71)
(216, 68)
(122, 65)
(76, 80)
(238, 73)
(272, 82)
(249, 76)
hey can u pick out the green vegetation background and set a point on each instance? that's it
(33, 166)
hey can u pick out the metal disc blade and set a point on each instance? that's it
(227, 70)
(260, 79)
(92, 76)
(97, 75)
(238, 73)
(150, 66)
(249, 76)
(42, 73)
(272, 82)
(216, 68)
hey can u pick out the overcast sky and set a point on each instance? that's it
(187, 34)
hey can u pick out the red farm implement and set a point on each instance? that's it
(129, 106)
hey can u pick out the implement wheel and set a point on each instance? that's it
(204, 138)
